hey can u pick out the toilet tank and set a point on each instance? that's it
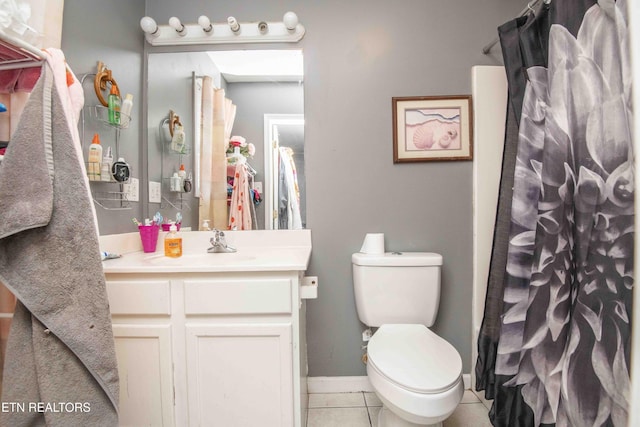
(397, 287)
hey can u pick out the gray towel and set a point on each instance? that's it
(60, 367)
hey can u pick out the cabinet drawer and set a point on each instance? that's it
(241, 296)
(139, 297)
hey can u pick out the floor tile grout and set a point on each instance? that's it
(350, 402)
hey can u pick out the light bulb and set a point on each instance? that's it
(148, 25)
(205, 23)
(290, 20)
(233, 24)
(177, 25)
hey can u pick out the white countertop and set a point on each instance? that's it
(266, 250)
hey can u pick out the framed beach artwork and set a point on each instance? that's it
(432, 128)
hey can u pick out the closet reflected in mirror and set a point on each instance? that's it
(243, 122)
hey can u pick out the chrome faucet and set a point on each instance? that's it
(219, 243)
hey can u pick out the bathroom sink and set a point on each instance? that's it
(199, 259)
(258, 251)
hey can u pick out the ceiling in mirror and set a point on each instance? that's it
(259, 65)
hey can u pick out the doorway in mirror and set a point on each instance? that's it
(284, 158)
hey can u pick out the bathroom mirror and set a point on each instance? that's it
(260, 94)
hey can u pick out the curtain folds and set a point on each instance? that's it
(217, 116)
(554, 343)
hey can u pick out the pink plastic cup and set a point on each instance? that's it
(149, 237)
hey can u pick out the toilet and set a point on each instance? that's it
(416, 374)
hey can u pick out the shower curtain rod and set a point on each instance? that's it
(529, 8)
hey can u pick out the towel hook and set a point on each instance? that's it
(100, 83)
(174, 120)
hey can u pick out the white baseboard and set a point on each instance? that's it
(352, 384)
(466, 379)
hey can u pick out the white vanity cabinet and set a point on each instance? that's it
(210, 349)
(141, 312)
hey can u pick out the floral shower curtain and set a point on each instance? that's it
(555, 341)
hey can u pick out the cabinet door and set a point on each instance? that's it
(240, 375)
(145, 370)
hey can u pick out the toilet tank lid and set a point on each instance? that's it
(397, 259)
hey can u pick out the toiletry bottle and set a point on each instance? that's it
(95, 157)
(105, 170)
(173, 243)
(127, 106)
(113, 103)
(175, 182)
(177, 141)
(182, 173)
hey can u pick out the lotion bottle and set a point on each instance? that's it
(95, 157)
(173, 243)
(182, 173)
(127, 106)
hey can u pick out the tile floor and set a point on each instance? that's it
(361, 409)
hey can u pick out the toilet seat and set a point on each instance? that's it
(414, 358)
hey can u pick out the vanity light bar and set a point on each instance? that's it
(232, 31)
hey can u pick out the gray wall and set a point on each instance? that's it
(109, 31)
(170, 88)
(253, 101)
(357, 55)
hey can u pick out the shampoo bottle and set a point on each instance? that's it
(127, 106)
(95, 156)
(173, 243)
(113, 104)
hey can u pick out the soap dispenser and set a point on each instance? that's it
(173, 243)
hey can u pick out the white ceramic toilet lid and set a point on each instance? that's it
(415, 358)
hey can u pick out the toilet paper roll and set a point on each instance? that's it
(373, 244)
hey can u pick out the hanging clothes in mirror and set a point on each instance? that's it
(289, 200)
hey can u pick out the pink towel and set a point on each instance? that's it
(240, 211)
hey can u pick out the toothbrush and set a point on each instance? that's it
(178, 218)
(157, 219)
(136, 222)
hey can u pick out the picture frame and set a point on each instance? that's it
(432, 128)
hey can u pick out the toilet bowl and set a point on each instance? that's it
(416, 374)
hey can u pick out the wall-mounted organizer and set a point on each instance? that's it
(176, 181)
(107, 178)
